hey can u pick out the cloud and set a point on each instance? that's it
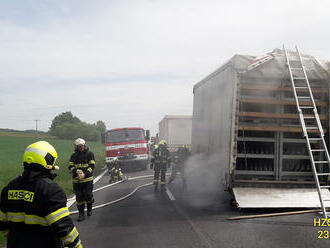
(132, 62)
(136, 103)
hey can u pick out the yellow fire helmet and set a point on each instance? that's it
(41, 153)
(162, 143)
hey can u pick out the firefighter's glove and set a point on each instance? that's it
(80, 174)
(151, 166)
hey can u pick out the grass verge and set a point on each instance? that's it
(12, 147)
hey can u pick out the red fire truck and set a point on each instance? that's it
(129, 145)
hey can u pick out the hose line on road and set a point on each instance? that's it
(121, 181)
(122, 198)
(73, 199)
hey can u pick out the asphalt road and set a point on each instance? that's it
(188, 219)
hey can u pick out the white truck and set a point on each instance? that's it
(175, 130)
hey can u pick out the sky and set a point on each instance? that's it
(131, 62)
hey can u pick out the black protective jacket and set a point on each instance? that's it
(84, 161)
(33, 209)
(180, 156)
(161, 157)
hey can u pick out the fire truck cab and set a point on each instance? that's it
(129, 145)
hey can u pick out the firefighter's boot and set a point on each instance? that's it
(155, 184)
(81, 209)
(89, 209)
(162, 187)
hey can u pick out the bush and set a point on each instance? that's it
(80, 130)
(67, 126)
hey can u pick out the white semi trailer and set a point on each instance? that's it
(245, 115)
(175, 130)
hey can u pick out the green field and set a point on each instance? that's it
(11, 154)
(12, 146)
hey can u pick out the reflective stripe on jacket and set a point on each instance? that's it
(161, 156)
(33, 208)
(84, 161)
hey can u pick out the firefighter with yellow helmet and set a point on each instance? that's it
(81, 165)
(33, 208)
(115, 172)
(160, 161)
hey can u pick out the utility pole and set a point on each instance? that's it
(36, 125)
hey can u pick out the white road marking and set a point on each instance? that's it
(100, 176)
(204, 238)
(170, 195)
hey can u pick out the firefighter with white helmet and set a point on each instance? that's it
(160, 161)
(81, 165)
(33, 207)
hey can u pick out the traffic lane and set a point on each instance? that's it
(209, 213)
(147, 219)
(257, 234)
(112, 193)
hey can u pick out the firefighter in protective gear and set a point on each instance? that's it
(115, 172)
(179, 159)
(160, 161)
(33, 207)
(81, 165)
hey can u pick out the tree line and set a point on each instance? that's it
(67, 126)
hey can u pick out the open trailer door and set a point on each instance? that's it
(279, 197)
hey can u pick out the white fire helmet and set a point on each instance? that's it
(79, 142)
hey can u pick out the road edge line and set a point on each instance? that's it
(170, 195)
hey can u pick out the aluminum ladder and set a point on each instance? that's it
(308, 113)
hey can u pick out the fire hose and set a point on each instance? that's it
(122, 198)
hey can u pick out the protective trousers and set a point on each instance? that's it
(84, 194)
(160, 168)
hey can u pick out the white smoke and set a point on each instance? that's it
(204, 179)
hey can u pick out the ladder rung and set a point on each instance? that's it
(298, 78)
(321, 162)
(306, 107)
(325, 187)
(318, 150)
(303, 97)
(309, 117)
(326, 200)
(312, 128)
(315, 138)
(323, 174)
(301, 87)
(296, 68)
